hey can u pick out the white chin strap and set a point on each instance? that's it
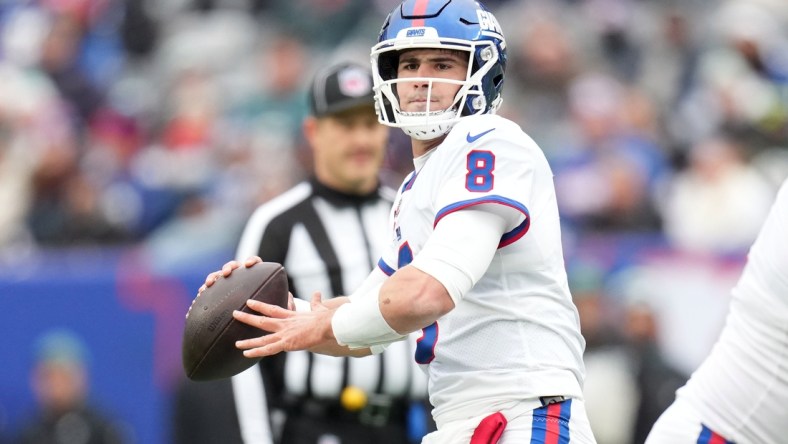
(427, 126)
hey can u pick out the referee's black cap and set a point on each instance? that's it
(339, 88)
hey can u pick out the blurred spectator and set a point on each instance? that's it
(14, 188)
(671, 55)
(60, 382)
(609, 375)
(607, 175)
(717, 205)
(139, 30)
(743, 77)
(598, 311)
(67, 209)
(614, 23)
(40, 158)
(308, 19)
(669, 68)
(59, 60)
(277, 102)
(271, 114)
(192, 112)
(21, 98)
(655, 378)
(539, 74)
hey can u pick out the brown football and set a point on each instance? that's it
(210, 333)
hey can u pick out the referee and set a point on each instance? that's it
(327, 232)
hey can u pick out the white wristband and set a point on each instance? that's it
(360, 324)
(378, 349)
(301, 305)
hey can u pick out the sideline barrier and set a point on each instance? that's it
(130, 317)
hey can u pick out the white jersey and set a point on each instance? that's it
(515, 335)
(741, 390)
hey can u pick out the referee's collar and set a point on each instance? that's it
(340, 199)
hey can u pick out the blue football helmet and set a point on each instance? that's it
(463, 25)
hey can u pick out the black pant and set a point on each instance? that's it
(306, 430)
(389, 422)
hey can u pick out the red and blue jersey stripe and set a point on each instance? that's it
(709, 436)
(551, 423)
(385, 268)
(425, 345)
(507, 238)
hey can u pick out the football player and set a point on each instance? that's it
(475, 259)
(740, 392)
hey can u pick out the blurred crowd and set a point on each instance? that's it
(120, 118)
(165, 123)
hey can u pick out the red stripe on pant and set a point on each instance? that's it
(553, 424)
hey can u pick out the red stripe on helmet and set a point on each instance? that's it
(419, 9)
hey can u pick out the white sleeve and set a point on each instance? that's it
(364, 305)
(360, 323)
(460, 249)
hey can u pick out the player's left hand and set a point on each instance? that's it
(226, 270)
(289, 330)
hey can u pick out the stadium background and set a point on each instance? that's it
(136, 137)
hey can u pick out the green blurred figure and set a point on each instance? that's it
(60, 382)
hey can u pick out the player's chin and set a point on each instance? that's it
(421, 107)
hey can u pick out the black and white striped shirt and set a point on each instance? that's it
(327, 241)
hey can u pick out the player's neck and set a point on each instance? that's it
(421, 147)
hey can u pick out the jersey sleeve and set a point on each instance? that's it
(493, 172)
(766, 271)
(394, 257)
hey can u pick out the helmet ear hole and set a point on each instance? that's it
(498, 80)
(387, 65)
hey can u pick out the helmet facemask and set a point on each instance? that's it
(432, 123)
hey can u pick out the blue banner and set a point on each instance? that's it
(129, 315)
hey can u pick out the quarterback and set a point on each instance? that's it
(475, 258)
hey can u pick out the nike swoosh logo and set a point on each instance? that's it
(472, 139)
